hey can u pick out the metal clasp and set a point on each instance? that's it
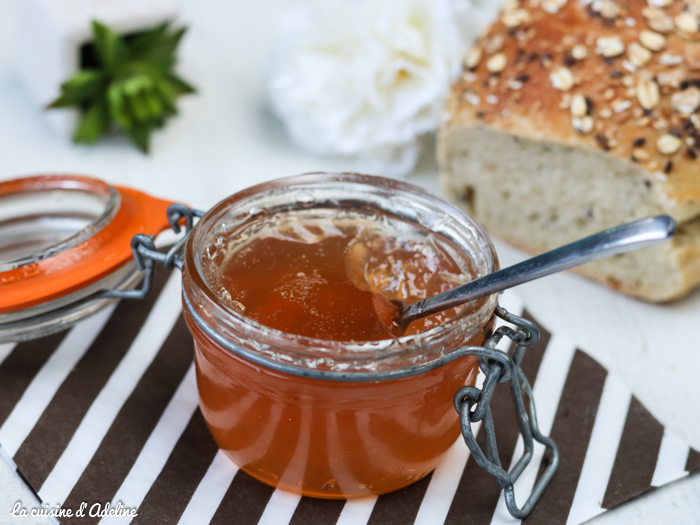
(146, 255)
(473, 405)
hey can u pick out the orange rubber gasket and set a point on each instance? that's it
(94, 259)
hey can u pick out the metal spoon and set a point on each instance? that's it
(620, 239)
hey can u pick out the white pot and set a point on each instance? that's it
(52, 32)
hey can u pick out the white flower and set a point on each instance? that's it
(364, 77)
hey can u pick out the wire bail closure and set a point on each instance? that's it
(472, 404)
(146, 255)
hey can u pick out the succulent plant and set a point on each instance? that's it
(125, 83)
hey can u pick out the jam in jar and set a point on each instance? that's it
(317, 274)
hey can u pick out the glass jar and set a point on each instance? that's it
(333, 419)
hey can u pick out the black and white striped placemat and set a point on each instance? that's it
(107, 412)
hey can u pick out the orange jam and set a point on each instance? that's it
(328, 439)
(317, 277)
(280, 282)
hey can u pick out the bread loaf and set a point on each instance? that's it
(574, 116)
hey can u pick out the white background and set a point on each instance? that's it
(226, 139)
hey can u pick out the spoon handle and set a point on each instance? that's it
(620, 239)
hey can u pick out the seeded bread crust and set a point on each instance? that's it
(574, 116)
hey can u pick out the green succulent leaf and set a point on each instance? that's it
(111, 49)
(158, 47)
(180, 86)
(155, 106)
(118, 108)
(141, 136)
(147, 40)
(137, 84)
(140, 108)
(133, 87)
(167, 94)
(94, 123)
(83, 87)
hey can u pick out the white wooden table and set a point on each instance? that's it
(226, 139)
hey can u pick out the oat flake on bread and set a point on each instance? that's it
(533, 174)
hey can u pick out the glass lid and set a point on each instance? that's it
(63, 238)
(39, 219)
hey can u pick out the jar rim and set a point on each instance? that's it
(36, 186)
(315, 353)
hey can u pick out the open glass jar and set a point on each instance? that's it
(376, 429)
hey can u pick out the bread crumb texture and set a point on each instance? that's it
(571, 116)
